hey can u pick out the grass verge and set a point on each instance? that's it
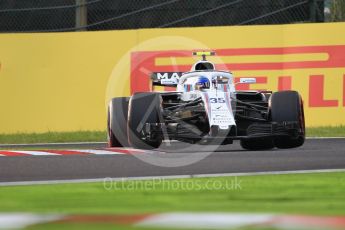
(101, 136)
(319, 194)
(338, 131)
(53, 137)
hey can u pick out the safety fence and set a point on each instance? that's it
(79, 15)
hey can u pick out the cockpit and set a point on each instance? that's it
(206, 80)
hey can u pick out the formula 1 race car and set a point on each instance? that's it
(206, 109)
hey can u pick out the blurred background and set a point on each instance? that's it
(95, 15)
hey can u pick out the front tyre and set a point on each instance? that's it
(288, 106)
(144, 108)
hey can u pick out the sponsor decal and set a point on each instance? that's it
(166, 75)
(315, 71)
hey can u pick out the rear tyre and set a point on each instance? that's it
(288, 106)
(257, 144)
(117, 122)
(144, 108)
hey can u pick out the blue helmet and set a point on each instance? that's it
(202, 83)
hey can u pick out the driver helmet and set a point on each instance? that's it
(202, 83)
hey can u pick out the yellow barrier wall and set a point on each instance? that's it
(62, 81)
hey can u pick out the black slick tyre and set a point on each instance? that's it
(117, 122)
(288, 106)
(144, 108)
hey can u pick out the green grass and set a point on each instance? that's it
(319, 194)
(306, 193)
(101, 136)
(338, 131)
(53, 137)
(89, 226)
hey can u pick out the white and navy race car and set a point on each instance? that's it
(206, 108)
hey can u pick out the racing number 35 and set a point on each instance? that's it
(217, 100)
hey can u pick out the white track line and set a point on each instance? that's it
(124, 151)
(24, 220)
(72, 181)
(97, 152)
(36, 153)
(185, 220)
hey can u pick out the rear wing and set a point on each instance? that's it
(165, 78)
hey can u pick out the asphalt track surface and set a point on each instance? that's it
(313, 155)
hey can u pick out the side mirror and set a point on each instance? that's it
(247, 80)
